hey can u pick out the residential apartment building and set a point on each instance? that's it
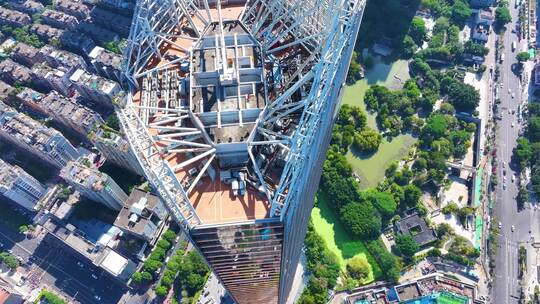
(124, 7)
(77, 42)
(95, 88)
(34, 138)
(116, 149)
(94, 185)
(65, 111)
(47, 32)
(60, 58)
(106, 63)
(20, 187)
(100, 253)
(143, 215)
(103, 17)
(5, 90)
(12, 72)
(13, 18)
(48, 78)
(25, 54)
(28, 7)
(59, 19)
(97, 32)
(74, 8)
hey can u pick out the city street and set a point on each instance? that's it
(56, 267)
(517, 227)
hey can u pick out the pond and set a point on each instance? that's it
(371, 167)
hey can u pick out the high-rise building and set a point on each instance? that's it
(20, 187)
(94, 185)
(115, 148)
(229, 112)
(34, 138)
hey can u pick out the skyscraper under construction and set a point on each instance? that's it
(229, 112)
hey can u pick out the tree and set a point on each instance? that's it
(406, 245)
(152, 265)
(113, 122)
(194, 282)
(9, 260)
(533, 128)
(367, 140)
(164, 244)
(444, 229)
(358, 267)
(523, 152)
(361, 219)
(146, 276)
(23, 229)
(354, 69)
(522, 197)
(383, 201)
(137, 277)
(463, 97)
(461, 11)
(411, 195)
(168, 278)
(169, 235)
(502, 16)
(408, 47)
(50, 298)
(161, 291)
(417, 30)
(475, 48)
(522, 56)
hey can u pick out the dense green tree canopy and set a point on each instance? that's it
(406, 246)
(358, 267)
(367, 140)
(362, 220)
(417, 30)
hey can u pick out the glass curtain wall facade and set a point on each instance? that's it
(245, 257)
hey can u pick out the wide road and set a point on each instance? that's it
(526, 222)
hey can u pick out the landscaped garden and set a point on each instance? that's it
(328, 226)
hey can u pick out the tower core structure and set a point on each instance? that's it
(229, 111)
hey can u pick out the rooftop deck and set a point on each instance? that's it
(211, 197)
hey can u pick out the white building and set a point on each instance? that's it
(20, 186)
(116, 149)
(31, 136)
(94, 87)
(94, 185)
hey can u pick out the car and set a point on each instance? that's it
(80, 264)
(504, 172)
(504, 185)
(512, 95)
(94, 276)
(513, 125)
(513, 228)
(500, 225)
(513, 178)
(97, 298)
(504, 164)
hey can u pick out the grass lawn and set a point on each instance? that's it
(371, 167)
(338, 240)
